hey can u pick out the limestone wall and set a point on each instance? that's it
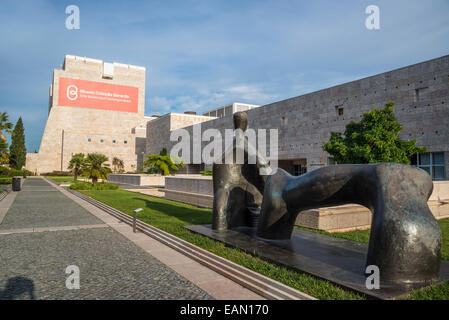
(420, 93)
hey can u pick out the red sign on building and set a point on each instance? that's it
(97, 95)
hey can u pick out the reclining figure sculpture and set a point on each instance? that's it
(405, 239)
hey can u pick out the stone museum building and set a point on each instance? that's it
(94, 106)
(99, 107)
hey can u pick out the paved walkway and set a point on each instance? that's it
(44, 232)
(44, 229)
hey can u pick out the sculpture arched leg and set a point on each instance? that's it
(405, 240)
(275, 220)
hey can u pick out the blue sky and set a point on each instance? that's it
(200, 55)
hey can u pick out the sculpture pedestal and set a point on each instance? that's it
(337, 260)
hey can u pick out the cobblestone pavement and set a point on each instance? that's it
(39, 204)
(33, 265)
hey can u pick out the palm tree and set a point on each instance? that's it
(76, 165)
(95, 167)
(4, 125)
(163, 163)
(117, 165)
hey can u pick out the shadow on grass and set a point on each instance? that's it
(187, 215)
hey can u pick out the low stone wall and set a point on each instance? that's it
(198, 190)
(440, 191)
(190, 183)
(138, 179)
(192, 189)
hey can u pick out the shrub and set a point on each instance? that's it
(89, 186)
(4, 171)
(15, 172)
(5, 180)
(58, 173)
(206, 173)
(8, 172)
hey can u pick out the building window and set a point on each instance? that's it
(89, 140)
(284, 121)
(113, 141)
(299, 169)
(339, 109)
(432, 162)
(331, 161)
(125, 142)
(101, 140)
(417, 93)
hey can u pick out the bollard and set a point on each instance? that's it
(134, 218)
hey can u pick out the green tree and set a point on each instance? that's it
(76, 165)
(95, 167)
(374, 139)
(118, 165)
(162, 163)
(17, 148)
(4, 125)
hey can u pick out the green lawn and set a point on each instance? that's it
(171, 216)
(440, 292)
(60, 179)
(5, 180)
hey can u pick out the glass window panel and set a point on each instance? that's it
(424, 159)
(426, 169)
(438, 158)
(438, 172)
(413, 160)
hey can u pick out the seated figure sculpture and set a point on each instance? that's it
(405, 239)
(238, 187)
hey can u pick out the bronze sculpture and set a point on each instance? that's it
(238, 188)
(405, 240)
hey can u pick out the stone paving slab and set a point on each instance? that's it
(44, 229)
(5, 204)
(190, 269)
(38, 206)
(111, 267)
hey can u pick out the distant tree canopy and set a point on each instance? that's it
(162, 163)
(118, 165)
(374, 139)
(4, 125)
(17, 148)
(95, 167)
(76, 165)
